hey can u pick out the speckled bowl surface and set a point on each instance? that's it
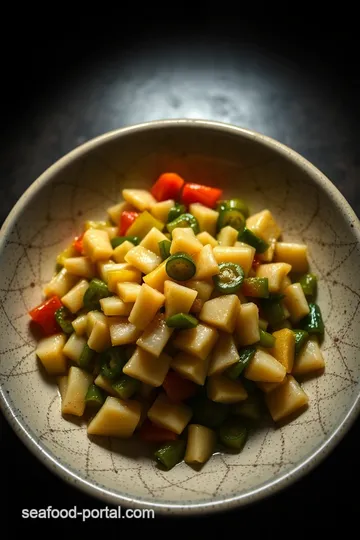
(81, 186)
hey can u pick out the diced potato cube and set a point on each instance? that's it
(190, 367)
(169, 415)
(80, 266)
(294, 254)
(200, 444)
(139, 198)
(122, 332)
(103, 267)
(221, 312)
(184, 239)
(224, 355)
(268, 255)
(80, 324)
(197, 341)
(92, 224)
(178, 299)
(50, 352)
(117, 275)
(241, 255)
(147, 304)
(155, 336)
(152, 239)
(224, 390)
(309, 359)
(143, 259)
(296, 303)
(112, 231)
(60, 284)
(269, 386)
(104, 383)
(92, 318)
(99, 339)
(120, 251)
(112, 306)
(286, 399)
(114, 212)
(206, 265)
(62, 382)
(116, 418)
(147, 368)
(157, 278)
(96, 245)
(77, 385)
(74, 299)
(247, 324)
(74, 347)
(284, 348)
(203, 288)
(285, 283)
(275, 272)
(128, 292)
(207, 218)
(206, 238)
(143, 224)
(160, 210)
(264, 368)
(227, 236)
(264, 225)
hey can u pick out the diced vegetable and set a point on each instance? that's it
(244, 358)
(127, 218)
(264, 225)
(231, 217)
(73, 347)
(273, 310)
(96, 245)
(44, 315)
(121, 250)
(251, 408)
(147, 304)
(143, 259)
(206, 238)
(152, 239)
(248, 237)
(113, 306)
(178, 299)
(114, 212)
(221, 312)
(94, 396)
(296, 302)
(197, 341)
(116, 418)
(170, 453)
(190, 367)
(263, 367)
(143, 223)
(157, 278)
(206, 265)
(266, 340)
(269, 386)
(148, 368)
(175, 211)
(233, 434)
(178, 388)
(208, 413)
(229, 279)
(80, 266)
(63, 319)
(255, 287)
(227, 236)
(184, 221)
(169, 415)
(50, 352)
(247, 324)
(141, 199)
(309, 359)
(126, 386)
(286, 399)
(294, 254)
(119, 240)
(268, 255)
(237, 203)
(164, 248)
(152, 433)
(86, 357)
(60, 284)
(200, 444)
(203, 289)
(74, 299)
(77, 386)
(241, 255)
(275, 273)
(224, 355)
(105, 384)
(284, 348)
(301, 337)
(206, 217)
(198, 193)
(184, 240)
(103, 267)
(112, 361)
(160, 210)
(120, 273)
(128, 292)
(99, 339)
(78, 244)
(180, 266)
(96, 290)
(80, 324)
(308, 283)
(182, 320)
(224, 390)
(92, 318)
(167, 186)
(155, 336)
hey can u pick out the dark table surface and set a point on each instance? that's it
(295, 81)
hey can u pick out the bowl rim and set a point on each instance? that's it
(270, 487)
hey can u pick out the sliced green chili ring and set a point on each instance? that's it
(208, 413)
(86, 357)
(233, 434)
(301, 338)
(171, 453)
(182, 320)
(180, 266)
(185, 220)
(248, 237)
(176, 211)
(239, 204)
(313, 322)
(112, 362)
(229, 279)
(308, 283)
(266, 339)
(118, 240)
(62, 316)
(164, 248)
(245, 356)
(126, 386)
(273, 310)
(97, 289)
(256, 287)
(232, 217)
(94, 396)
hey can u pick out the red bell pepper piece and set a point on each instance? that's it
(44, 315)
(177, 388)
(167, 186)
(152, 433)
(78, 243)
(126, 219)
(197, 193)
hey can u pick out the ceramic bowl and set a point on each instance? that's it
(81, 186)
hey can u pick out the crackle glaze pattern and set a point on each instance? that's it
(80, 187)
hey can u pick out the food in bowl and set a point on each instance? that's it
(182, 319)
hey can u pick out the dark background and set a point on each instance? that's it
(291, 74)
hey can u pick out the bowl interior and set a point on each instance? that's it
(82, 187)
